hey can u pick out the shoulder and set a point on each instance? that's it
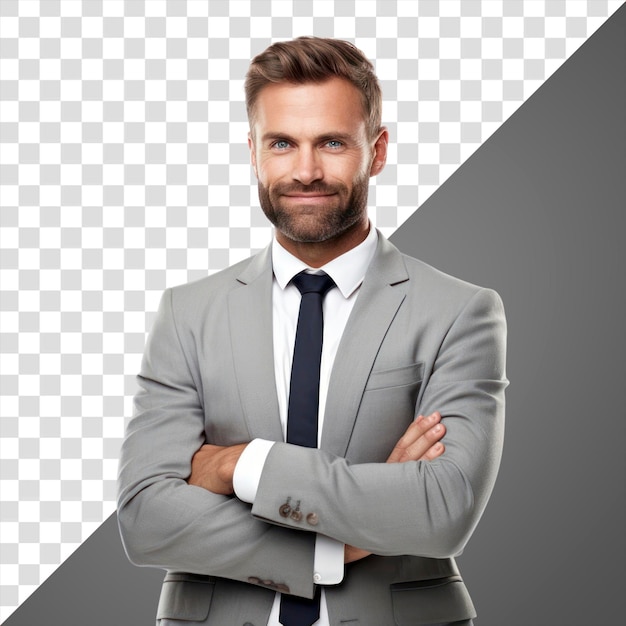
(219, 281)
(192, 301)
(225, 280)
(390, 263)
(426, 284)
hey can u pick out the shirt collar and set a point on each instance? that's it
(347, 270)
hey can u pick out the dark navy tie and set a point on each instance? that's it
(303, 407)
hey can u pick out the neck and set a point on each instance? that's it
(317, 254)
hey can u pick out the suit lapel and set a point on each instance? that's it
(250, 311)
(381, 295)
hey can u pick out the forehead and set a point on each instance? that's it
(310, 107)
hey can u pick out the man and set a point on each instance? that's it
(218, 483)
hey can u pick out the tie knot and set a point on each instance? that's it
(313, 283)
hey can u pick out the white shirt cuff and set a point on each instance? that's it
(249, 468)
(328, 564)
(329, 561)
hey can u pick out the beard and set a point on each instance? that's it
(315, 224)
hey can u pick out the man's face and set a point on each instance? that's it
(313, 158)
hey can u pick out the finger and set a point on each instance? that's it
(416, 429)
(433, 452)
(419, 448)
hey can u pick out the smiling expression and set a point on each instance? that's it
(313, 159)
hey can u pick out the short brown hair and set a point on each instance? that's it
(315, 60)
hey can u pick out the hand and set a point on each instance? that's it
(420, 442)
(212, 467)
(352, 554)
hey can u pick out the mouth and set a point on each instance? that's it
(309, 198)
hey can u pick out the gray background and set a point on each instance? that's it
(536, 213)
(539, 214)
(124, 170)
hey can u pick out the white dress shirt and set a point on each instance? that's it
(348, 271)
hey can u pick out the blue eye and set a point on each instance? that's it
(281, 144)
(333, 143)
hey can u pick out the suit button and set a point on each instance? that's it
(313, 519)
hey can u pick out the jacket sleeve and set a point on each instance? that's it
(417, 508)
(164, 522)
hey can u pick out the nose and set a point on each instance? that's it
(307, 167)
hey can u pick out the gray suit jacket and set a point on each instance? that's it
(417, 341)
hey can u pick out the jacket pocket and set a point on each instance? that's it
(431, 602)
(185, 597)
(396, 377)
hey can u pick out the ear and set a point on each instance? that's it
(252, 153)
(380, 152)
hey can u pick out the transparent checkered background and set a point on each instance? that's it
(124, 170)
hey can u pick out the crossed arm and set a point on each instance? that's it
(396, 508)
(213, 467)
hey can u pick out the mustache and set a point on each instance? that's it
(315, 187)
